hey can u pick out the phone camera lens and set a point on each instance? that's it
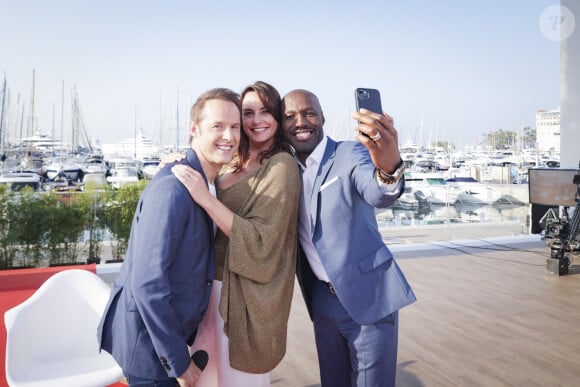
(363, 95)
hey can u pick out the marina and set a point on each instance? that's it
(475, 96)
(489, 312)
(57, 168)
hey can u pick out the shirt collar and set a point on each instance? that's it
(315, 157)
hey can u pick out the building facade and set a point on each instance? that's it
(548, 130)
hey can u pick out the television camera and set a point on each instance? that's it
(550, 190)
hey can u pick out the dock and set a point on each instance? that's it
(487, 314)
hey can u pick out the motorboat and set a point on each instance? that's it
(16, 181)
(150, 167)
(433, 186)
(121, 176)
(95, 164)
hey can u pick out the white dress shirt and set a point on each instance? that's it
(212, 190)
(304, 228)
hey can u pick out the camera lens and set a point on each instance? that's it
(363, 94)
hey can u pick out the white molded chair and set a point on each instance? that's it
(52, 336)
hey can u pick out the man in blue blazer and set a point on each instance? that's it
(352, 286)
(162, 290)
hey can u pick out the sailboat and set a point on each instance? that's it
(14, 181)
(2, 131)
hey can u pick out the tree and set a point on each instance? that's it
(502, 139)
(118, 213)
(529, 137)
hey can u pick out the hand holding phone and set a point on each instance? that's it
(383, 147)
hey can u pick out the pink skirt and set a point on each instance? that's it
(211, 338)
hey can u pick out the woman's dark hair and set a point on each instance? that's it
(272, 101)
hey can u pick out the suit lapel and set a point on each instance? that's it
(325, 165)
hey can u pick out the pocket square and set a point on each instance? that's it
(329, 182)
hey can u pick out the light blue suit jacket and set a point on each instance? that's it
(162, 290)
(367, 280)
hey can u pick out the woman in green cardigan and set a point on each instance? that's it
(256, 214)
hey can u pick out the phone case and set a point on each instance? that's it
(369, 99)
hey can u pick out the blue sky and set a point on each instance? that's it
(447, 69)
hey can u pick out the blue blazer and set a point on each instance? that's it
(367, 280)
(162, 290)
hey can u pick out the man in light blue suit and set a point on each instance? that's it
(162, 290)
(351, 284)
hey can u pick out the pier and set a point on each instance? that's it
(487, 314)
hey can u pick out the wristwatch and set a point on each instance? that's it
(391, 178)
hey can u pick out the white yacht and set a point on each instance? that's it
(433, 186)
(16, 181)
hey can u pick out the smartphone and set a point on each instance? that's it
(369, 99)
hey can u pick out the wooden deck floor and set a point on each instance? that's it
(487, 315)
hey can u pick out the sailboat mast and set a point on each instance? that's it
(78, 126)
(21, 123)
(135, 134)
(31, 122)
(53, 117)
(159, 138)
(2, 131)
(31, 127)
(74, 117)
(177, 124)
(62, 115)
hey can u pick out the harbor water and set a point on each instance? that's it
(428, 222)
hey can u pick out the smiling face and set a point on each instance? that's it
(259, 124)
(216, 135)
(302, 121)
